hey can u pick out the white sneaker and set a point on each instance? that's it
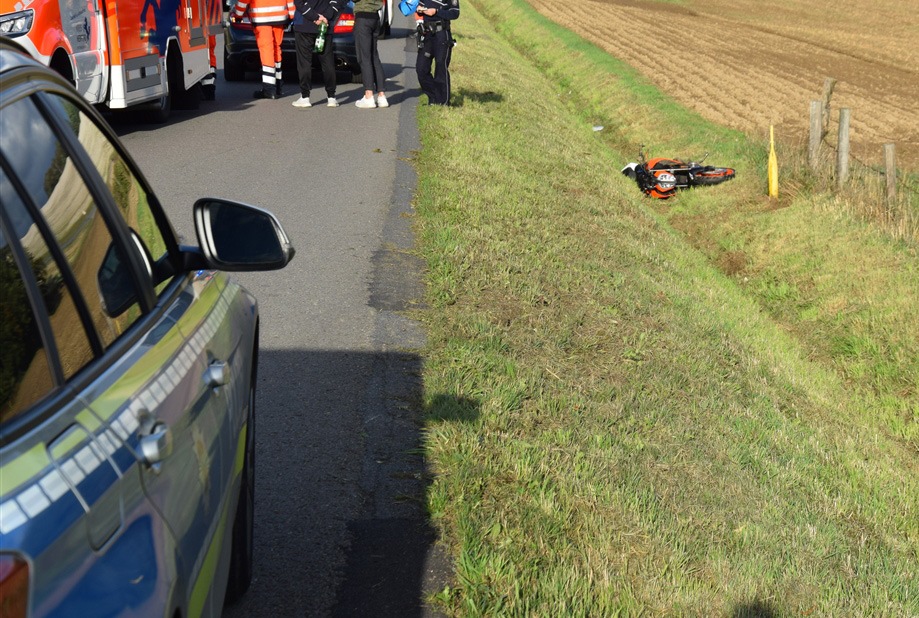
(302, 102)
(332, 102)
(381, 101)
(365, 103)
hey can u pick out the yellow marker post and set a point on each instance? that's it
(773, 169)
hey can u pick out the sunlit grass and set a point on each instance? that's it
(617, 424)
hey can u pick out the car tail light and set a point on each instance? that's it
(14, 586)
(240, 24)
(345, 24)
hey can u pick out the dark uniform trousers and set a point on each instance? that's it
(437, 49)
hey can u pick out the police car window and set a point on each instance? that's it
(55, 186)
(127, 191)
(25, 375)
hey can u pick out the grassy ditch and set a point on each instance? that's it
(618, 422)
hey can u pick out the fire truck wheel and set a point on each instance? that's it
(160, 110)
(188, 99)
(61, 63)
(181, 98)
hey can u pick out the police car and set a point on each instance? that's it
(127, 372)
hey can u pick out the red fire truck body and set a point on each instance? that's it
(120, 53)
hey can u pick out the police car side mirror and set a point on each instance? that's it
(233, 236)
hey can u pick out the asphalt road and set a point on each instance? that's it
(340, 483)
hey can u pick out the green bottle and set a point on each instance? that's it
(320, 39)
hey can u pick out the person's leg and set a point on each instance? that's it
(278, 32)
(304, 43)
(209, 83)
(264, 39)
(363, 29)
(443, 47)
(423, 67)
(327, 63)
(378, 77)
(447, 69)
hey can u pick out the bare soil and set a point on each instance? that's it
(748, 64)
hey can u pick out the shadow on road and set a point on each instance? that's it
(341, 526)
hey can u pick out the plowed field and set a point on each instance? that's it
(748, 64)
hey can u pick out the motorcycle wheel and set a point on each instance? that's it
(713, 176)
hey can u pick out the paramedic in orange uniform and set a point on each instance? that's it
(269, 17)
(209, 83)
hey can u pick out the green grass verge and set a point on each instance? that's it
(615, 425)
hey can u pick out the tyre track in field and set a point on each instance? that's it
(747, 75)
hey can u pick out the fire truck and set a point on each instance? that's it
(121, 53)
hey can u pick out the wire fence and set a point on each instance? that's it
(865, 189)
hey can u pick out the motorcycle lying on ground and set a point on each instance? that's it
(661, 177)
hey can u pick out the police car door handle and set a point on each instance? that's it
(217, 374)
(156, 446)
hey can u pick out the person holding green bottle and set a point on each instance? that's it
(314, 21)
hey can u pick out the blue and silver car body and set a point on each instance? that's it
(104, 524)
(126, 477)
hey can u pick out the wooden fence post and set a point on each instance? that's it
(890, 164)
(815, 134)
(829, 84)
(842, 152)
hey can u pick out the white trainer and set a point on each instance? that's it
(365, 103)
(302, 102)
(332, 102)
(381, 101)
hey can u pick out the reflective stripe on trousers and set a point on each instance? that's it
(268, 39)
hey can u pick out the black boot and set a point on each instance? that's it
(277, 89)
(267, 92)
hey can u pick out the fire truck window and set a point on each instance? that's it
(25, 375)
(56, 187)
(127, 191)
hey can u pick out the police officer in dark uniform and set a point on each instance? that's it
(435, 47)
